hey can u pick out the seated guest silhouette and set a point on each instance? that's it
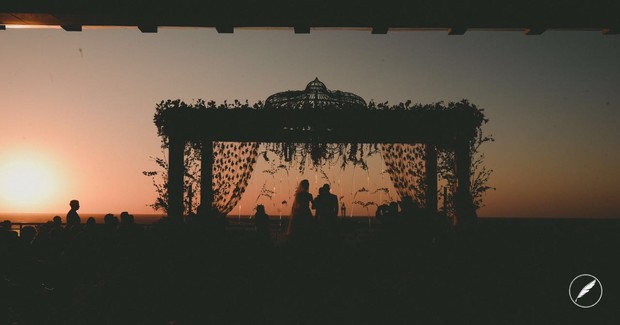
(57, 221)
(6, 234)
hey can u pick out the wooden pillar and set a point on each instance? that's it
(431, 178)
(206, 176)
(464, 205)
(176, 169)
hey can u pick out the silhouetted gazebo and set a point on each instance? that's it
(319, 115)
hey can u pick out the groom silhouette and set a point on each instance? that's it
(326, 206)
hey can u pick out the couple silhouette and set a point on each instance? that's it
(302, 223)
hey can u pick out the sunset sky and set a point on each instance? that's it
(77, 107)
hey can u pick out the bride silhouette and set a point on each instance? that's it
(300, 223)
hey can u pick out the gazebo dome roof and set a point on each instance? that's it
(316, 85)
(316, 95)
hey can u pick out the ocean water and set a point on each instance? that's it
(17, 218)
(151, 218)
(45, 217)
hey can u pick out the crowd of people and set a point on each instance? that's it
(52, 261)
(94, 273)
(117, 272)
(407, 215)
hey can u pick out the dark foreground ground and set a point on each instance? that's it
(498, 272)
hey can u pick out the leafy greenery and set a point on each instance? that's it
(191, 180)
(480, 173)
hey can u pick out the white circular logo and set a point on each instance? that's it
(585, 291)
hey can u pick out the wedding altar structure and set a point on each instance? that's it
(317, 116)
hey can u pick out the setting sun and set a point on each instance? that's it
(25, 183)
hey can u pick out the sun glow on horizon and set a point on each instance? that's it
(26, 183)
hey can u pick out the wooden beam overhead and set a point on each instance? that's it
(397, 14)
(534, 31)
(225, 29)
(147, 28)
(457, 31)
(380, 30)
(302, 29)
(72, 28)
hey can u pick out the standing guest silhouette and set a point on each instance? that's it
(301, 217)
(261, 222)
(73, 218)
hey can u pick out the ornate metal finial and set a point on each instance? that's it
(316, 95)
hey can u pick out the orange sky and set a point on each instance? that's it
(78, 107)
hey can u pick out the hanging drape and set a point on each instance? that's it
(405, 164)
(232, 169)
